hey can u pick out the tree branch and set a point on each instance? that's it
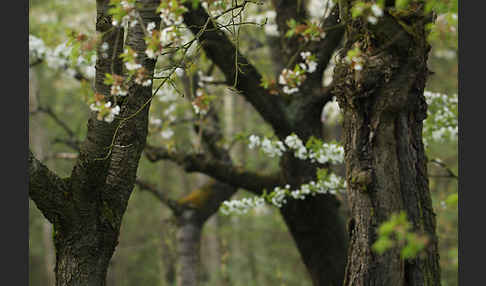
(450, 173)
(160, 195)
(72, 142)
(47, 190)
(207, 199)
(78, 75)
(48, 111)
(222, 52)
(219, 170)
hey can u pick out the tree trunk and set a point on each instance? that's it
(384, 107)
(37, 140)
(87, 208)
(49, 256)
(188, 248)
(316, 226)
(214, 250)
(82, 256)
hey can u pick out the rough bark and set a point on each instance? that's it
(86, 209)
(386, 172)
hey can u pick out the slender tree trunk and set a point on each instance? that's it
(37, 140)
(167, 256)
(384, 107)
(49, 256)
(188, 248)
(168, 265)
(214, 250)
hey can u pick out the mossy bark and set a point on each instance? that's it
(384, 108)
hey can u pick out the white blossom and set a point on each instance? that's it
(376, 10)
(288, 90)
(330, 184)
(37, 48)
(132, 66)
(372, 19)
(150, 26)
(254, 141)
(167, 133)
(441, 123)
(155, 121)
(241, 206)
(179, 72)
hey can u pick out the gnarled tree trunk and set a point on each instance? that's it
(384, 107)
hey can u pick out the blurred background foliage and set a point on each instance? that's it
(254, 249)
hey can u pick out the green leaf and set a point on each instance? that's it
(401, 4)
(382, 245)
(452, 200)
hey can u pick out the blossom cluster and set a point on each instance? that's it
(326, 184)
(58, 58)
(292, 79)
(241, 206)
(314, 150)
(118, 85)
(272, 148)
(441, 123)
(331, 184)
(171, 12)
(123, 12)
(106, 112)
(370, 11)
(310, 63)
